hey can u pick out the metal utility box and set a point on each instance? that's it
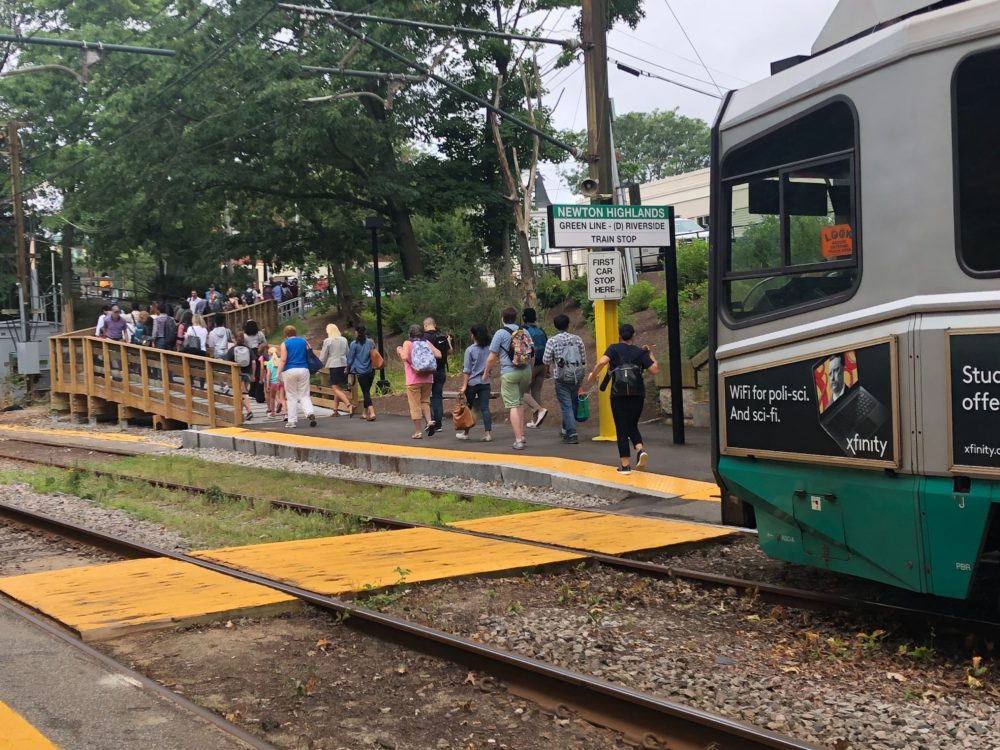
(32, 357)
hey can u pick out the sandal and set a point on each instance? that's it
(417, 436)
(248, 416)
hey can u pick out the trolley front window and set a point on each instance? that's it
(792, 231)
(977, 163)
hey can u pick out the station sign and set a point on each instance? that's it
(974, 375)
(610, 226)
(833, 407)
(605, 279)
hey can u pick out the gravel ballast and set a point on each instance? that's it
(813, 677)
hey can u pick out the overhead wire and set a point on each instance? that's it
(726, 73)
(632, 70)
(657, 65)
(696, 53)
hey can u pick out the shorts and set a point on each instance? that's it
(417, 394)
(513, 386)
(274, 387)
(338, 375)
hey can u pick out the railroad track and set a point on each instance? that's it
(782, 595)
(646, 720)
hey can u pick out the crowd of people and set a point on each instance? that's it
(195, 326)
(522, 352)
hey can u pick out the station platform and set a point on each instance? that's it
(677, 483)
(55, 695)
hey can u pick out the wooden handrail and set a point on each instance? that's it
(189, 388)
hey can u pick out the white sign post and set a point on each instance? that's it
(610, 226)
(604, 275)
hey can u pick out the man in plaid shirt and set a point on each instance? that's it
(567, 357)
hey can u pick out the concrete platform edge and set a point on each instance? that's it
(495, 472)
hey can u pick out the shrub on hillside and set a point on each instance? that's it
(694, 316)
(639, 297)
(551, 291)
(396, 314)
(692, 263)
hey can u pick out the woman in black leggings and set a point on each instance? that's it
(628, 392)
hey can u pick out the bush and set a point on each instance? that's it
(397, 315)
(551, 291)
(456, 298)
(694, 317)
(576, 290)
(692, 263)
(659, 306)
(639, 297)
(367, 319)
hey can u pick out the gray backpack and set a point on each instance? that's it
(570, 369)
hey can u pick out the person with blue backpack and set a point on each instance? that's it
(529, 319)
(420, 360)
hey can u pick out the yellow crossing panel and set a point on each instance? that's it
(596, 532)
(351, 564)
(688, 489)
(116, 437)
(105, 601)
(18, 734)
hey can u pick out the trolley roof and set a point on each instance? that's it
(853, 17)
(919, 34)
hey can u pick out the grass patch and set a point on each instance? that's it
(278, 334)
(211, 520)
(204, 520)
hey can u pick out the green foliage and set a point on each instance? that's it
(551, 291)
(396, 314)
(654, 145)
(692, 262)
(639, 297)
(456, 298)
(694, 318)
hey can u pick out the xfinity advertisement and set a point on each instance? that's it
(839, 405)
(975, 399)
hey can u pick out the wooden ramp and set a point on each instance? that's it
(361, 562)
(18, 734)
(105, 601)
(607, 533)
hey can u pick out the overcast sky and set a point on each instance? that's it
(737, 39)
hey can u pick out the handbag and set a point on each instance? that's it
(583, 407)
(463, 417)
(257, 392)
(377, 360)
(314, 363)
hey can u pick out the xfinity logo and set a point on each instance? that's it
(867, 445)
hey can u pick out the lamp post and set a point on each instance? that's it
(374, 223)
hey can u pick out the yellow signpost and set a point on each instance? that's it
(606, 334)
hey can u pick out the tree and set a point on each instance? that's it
(654, 145)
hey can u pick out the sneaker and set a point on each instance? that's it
(430, 429)
(570, 439)
(518, 445)
(462, 435)
(290, 426)
(624, 469)
(486, 439)
(312, 420)
(540, 416)
(532, 425)
(641, 460)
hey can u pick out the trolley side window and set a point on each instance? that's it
(977, 162)
(792, 239)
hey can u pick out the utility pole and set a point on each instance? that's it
(599, 161)
(14, 145)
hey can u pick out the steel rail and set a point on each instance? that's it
(784, 595)
(646, 720)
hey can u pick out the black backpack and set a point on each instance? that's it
(169, 333)
(626, 379)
